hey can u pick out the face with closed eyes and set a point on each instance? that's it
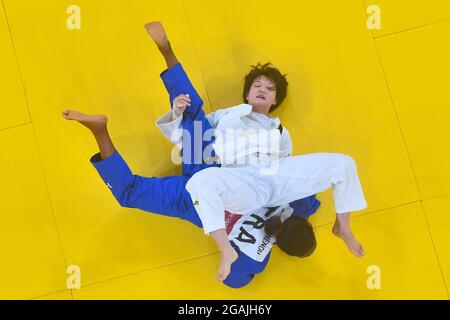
(262, 94)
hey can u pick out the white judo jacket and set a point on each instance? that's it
(242, 136)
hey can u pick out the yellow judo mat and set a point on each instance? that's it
(379, 95)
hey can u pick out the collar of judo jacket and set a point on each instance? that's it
(244, 109)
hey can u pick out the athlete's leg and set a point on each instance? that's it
(195, 150)
(166, 196)
(244, 189)
(175, 78)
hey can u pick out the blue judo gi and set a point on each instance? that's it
(168, 195)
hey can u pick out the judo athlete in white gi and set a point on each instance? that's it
(277, 178)
(269, 175)
(260, 172)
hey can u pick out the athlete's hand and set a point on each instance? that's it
(179, 104)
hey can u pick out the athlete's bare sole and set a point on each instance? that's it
(92, 122)
(156, 30)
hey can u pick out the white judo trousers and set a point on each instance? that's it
(241, 190)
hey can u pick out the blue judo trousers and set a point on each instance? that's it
(168, 195)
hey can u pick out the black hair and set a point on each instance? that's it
(273, 74)
(295, 235)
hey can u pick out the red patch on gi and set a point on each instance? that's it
(230, 220)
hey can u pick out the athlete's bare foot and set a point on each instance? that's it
(156, 30)
(94, 123)
(226, 260)
(347, 236)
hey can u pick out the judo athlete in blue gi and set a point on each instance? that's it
(252, 236)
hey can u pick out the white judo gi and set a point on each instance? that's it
(269, 177)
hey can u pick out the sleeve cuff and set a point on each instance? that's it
(208, 228)
(168, 127)
(165, 119)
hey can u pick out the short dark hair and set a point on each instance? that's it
(273, 74)
(295, 235)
